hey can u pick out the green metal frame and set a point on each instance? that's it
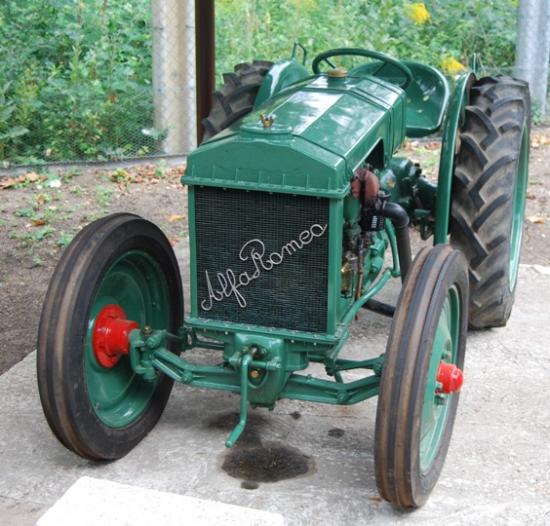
(262, 365)
(281, 75)
(260, 382)
(520, 189)
(455, 112)
(336, 124)
(427, 100)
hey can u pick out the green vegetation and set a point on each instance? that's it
(432, 32)
(75, 77)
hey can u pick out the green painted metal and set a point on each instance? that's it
(446, 164)
(323, 129)
(273, 363)
(373, 267)
(239, 428)
(372, 291)
(334, 264)
(135, 282)
(310, 389)
(435, 406)
(373, 257)
(192, 251)
(376, 364)
(216, 329)
(281, 75)
(270, 360)
(390, 232)
(399, 179)
(427, 94)
(520, 189)
(404, 181)
(427, 99)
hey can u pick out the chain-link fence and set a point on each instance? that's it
(95, 80)
(107, 80)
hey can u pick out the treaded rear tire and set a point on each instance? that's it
(485, 175)
(237, 96)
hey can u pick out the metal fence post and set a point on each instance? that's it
(174, 73)
(533, 48)
(206, 59)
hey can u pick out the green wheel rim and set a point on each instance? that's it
(137, 284)
(518, 213)
(435, 408)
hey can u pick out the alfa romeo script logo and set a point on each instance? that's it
(228, 284)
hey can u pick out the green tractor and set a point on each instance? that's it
(299, 215)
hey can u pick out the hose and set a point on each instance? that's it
(400, 221)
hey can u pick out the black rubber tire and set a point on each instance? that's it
(397, 433)
(486, 168)
(63, 326)
(237, 96)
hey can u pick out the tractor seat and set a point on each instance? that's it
(427, 95)
(427, 98)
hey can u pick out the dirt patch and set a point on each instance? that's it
(40, 213)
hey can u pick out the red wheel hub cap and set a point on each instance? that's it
(450, 377)
(110, 338)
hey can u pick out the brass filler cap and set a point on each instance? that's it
(337, 73)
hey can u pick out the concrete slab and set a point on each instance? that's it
(497, 470)
(90, 502)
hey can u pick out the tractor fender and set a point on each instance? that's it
(453, 118)
(281, 75)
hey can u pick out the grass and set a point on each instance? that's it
(104, 195)
(64, 239)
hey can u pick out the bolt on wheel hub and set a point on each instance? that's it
(110, 339)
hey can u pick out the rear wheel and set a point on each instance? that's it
(237, 96)
(119, 274)
(489, 187)
(421, 377)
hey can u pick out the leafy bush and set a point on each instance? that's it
(453, 29)
(77, 79)
(75, 75)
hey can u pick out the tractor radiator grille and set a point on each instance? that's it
(262, 258)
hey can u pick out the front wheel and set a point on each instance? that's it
(421, 377)
(118, 274)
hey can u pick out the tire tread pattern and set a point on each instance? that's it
(483, 188)
(236, 97)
